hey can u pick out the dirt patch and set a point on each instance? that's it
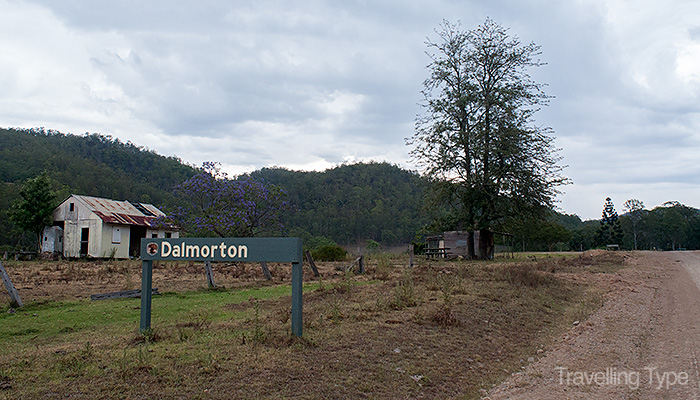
(642, 344)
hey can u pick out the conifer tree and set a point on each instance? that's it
(610, 230)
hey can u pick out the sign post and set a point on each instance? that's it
(146, 285)
(222, 249)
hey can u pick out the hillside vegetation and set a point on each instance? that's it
(348, 204)
(376, 201)
(352, 203)
(93, 165)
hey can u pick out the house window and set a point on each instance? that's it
(116, 235)
(154, 235)
(71, 207)
(168, 235)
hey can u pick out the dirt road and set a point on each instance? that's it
(642, 344)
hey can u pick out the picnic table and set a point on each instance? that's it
(441, 252)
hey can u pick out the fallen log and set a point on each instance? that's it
(124, 294)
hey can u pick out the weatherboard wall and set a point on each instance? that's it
(109, 248)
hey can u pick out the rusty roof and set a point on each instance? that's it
(121, 212)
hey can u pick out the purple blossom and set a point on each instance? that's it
(220, 206)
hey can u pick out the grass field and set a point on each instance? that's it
(444, 329)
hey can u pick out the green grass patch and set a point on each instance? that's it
(47, 320)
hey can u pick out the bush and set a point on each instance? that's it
(373, 245)
(330, 252)
(523, 275)
(405, 292)
(310, 241)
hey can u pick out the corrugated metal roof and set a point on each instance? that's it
(120, 212)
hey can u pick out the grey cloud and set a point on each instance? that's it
(262, 83)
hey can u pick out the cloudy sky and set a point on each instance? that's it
(312, 84)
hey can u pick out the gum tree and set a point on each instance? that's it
(476, 139)
(635, 208)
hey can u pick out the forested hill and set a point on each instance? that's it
(93, 165)
(374, 201)
(351, 203)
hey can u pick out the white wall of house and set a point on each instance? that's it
(52, 240)
(162, 233)
(76, 217)
(115, 241)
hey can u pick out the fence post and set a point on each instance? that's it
(312, 264)
(266, 271)
(297, 287)
(14, 296)
(210, 274)
(410, 256)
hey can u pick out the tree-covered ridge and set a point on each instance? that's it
(348, 203)
(671, 226)
(94, 165)
(351, 203)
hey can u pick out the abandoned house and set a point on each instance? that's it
(86, 226)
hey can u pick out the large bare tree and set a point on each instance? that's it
(477, 140)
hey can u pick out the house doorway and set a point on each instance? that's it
(84, 242)
(136, 233)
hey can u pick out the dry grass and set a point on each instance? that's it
(441, 330)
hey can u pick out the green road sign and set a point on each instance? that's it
(222, 249)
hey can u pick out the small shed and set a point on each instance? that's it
(103, 228)
(52, 240)
(453, 244)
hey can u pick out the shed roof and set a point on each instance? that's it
(120, 212)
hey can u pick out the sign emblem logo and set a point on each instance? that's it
(152, 248)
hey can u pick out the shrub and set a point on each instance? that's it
(443, 316)
(523, 275)
(329, 253)
(310, 241)
(405, 292)
(383, 267)
(373, 245)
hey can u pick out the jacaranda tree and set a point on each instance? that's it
(217, 205)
